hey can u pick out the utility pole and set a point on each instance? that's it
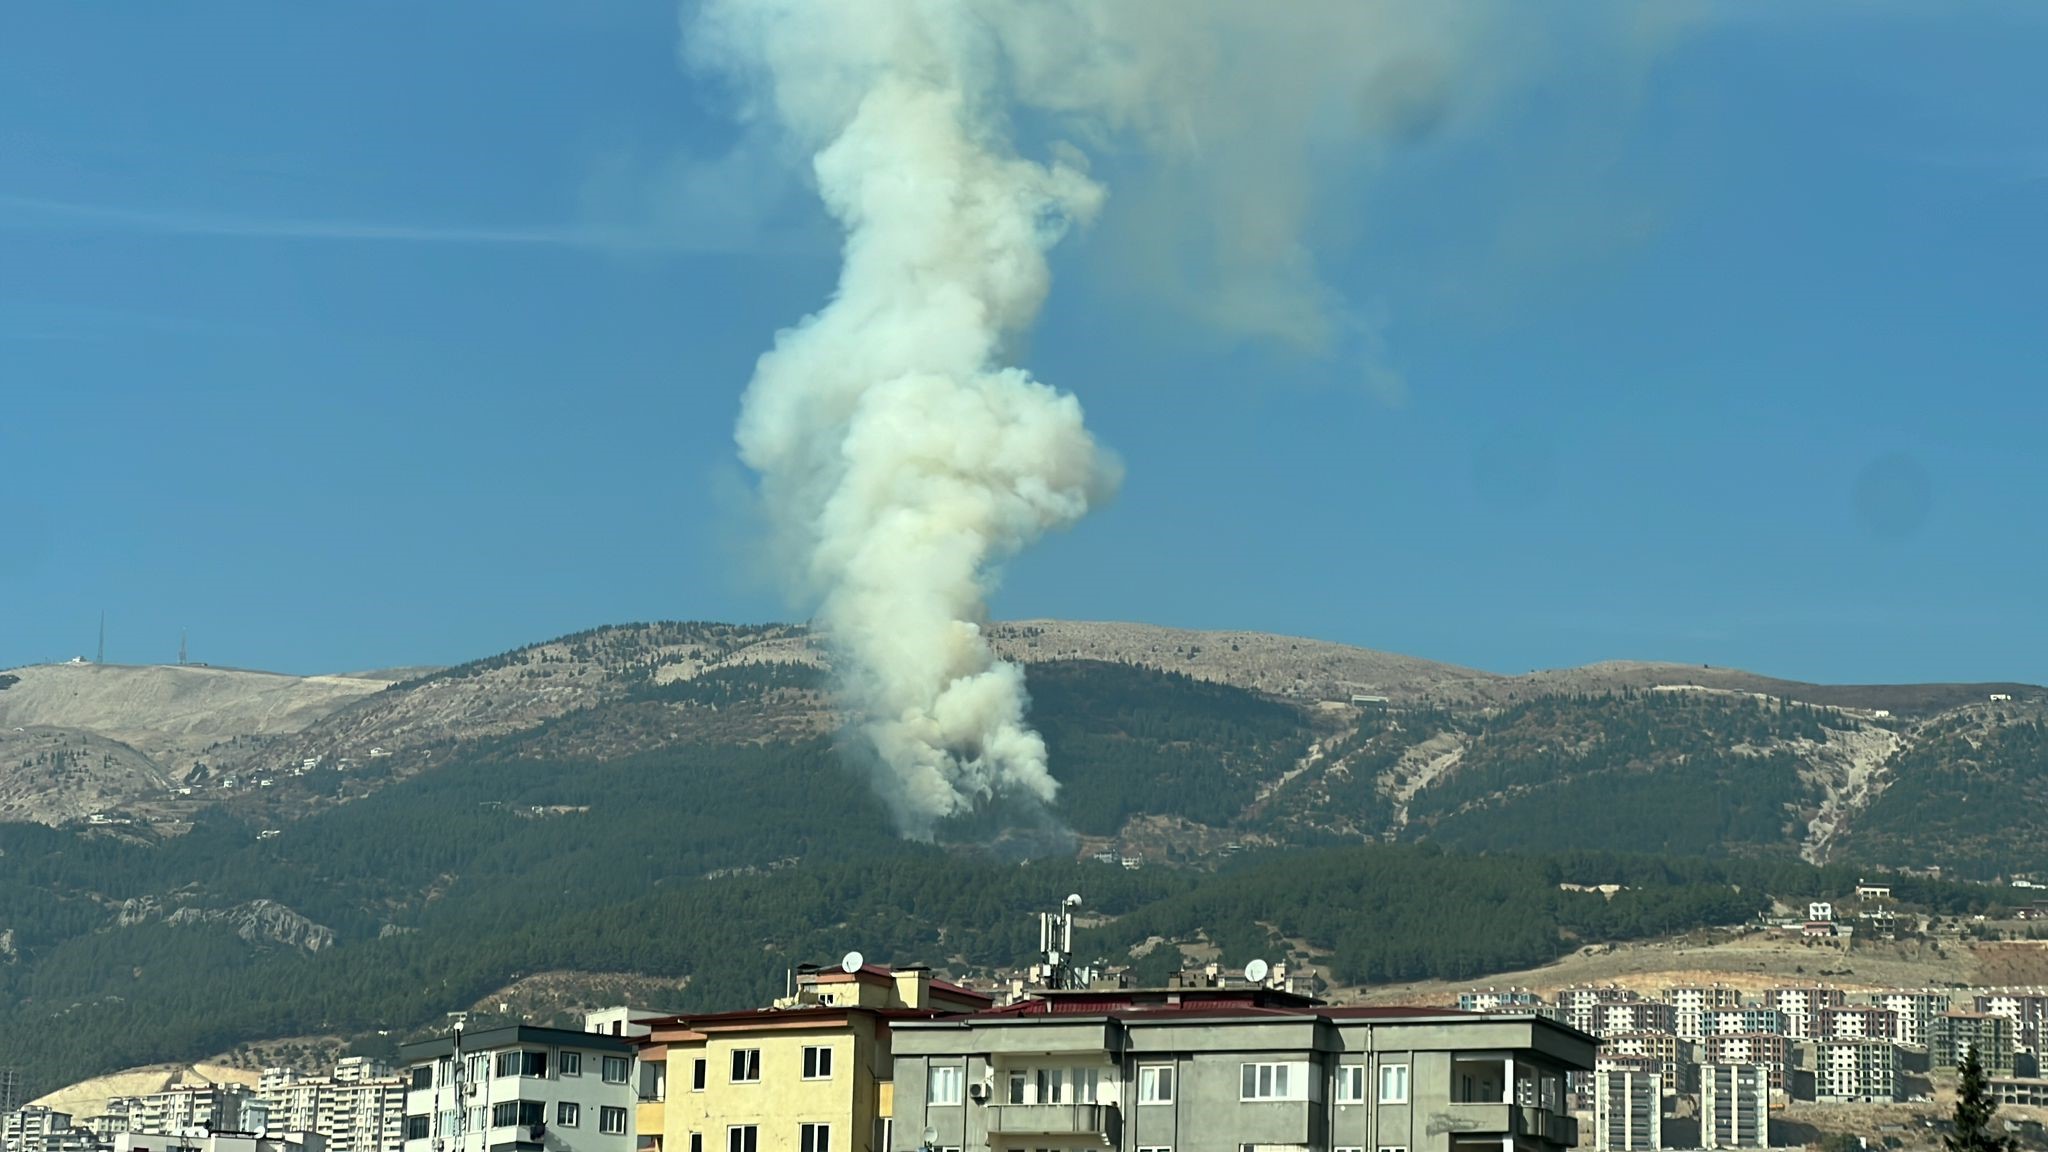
(102, 657)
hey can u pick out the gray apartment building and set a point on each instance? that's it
(1958, 1032)
(519, 1089)
(1628, 1110)
(1232, 1070)
(1735, 1109)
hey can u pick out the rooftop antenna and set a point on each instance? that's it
(1256, 972)
(852, 963)
(102, 657)
(181, 646)
(1056, 944)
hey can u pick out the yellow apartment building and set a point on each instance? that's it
(811, 1074)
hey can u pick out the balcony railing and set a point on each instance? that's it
(1516, 1120)
(1097, 1120)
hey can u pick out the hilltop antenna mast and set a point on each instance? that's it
(181, 646)
(102, 657)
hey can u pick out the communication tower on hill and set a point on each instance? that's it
(181, 646)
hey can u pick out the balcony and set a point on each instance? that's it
(1515, 1120)
(1095, 1120)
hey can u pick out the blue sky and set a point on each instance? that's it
(383, 334)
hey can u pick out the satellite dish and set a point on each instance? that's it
(1074, 900)
(931, 1137)
(1255, 972)
(853, 962)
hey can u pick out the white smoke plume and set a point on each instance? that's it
(899, 454)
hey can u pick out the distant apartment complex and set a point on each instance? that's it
(1856, 1070)
(359, 1107)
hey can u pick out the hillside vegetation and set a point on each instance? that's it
(670, 800)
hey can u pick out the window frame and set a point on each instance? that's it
(951, 1074)
(1400, 1073)
(814, 1136)
(696, 1142)
(745, 1066)
(1158, 1074)
(418, 1127)
(1279, 1079)
(568, 1063)
(1349, 1077)
(606, 1113)
(700, 1073)
(742, 1138)
(568, 1114)
(624, 1065)
(817, 1062)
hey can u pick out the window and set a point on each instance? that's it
(1018, 1091)
(1351, 1085)
(616, 1068)
(697, 1075)
(1347, 1150)
(1155, 1084)
(522, 1063)
(415, 1127)
(522, 1113)
(814, 1138)
(568, 1114)
(746, 1065)
(1393, 1148)
(423, 1077)
(742, 1138)
(611, 1121)
(696, 1142)
(1393, 1083)
(817, 1063)
(945, 1086)
(1164, 1148)
(569, 1063)
(1274, 1082)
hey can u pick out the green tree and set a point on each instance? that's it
(1974, 1110)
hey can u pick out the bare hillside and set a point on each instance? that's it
(170, 710)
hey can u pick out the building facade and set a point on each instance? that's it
(1690, 1005)
(1856, 1023)
(1735, 1106)
(1215, 1070)
(812, 1074)
(1742, 1021)
(1914, 1011)
(1856, 1070)
(1958, 1032)
(1768, 1050)
(1801, 1005)
(519, 1089)
(1628, 1111)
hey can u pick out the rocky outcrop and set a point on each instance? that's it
(258, 921)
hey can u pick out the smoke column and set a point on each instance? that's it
(889, 436)
(900, 458)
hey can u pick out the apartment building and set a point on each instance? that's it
(1914, 1012)
(1579, 1005)
(1768, 1050)
(1800, 1006)
(1624, 1017)
(1856, 1022)
(1741, 1021)
(36, 1128)
(2023, 1092)
(1689, 1006)
(1856, 1070)
(358, 1107)
(812, 1074)
(2027, 1008)
(219, 1142)
(1628, 1111)
(1214, 1070)
(1672, 1057)
(1497, 1000)
(1958, 1032)
(1735, 1106)
(519, 1088)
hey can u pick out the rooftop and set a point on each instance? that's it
(509, 1036)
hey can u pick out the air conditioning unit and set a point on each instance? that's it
(978, 1093)
(469, 1090)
